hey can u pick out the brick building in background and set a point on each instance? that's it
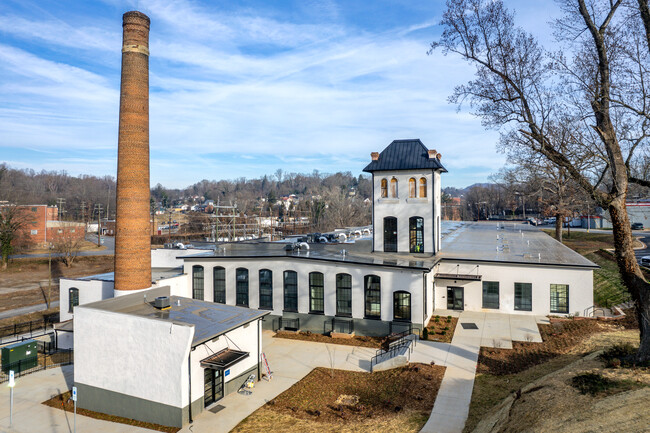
(41, 226)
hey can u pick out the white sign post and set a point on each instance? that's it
(12, 383)
(74, 399)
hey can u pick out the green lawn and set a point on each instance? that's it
(609, 289)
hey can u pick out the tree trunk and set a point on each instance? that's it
(558, 227)
(631, 273)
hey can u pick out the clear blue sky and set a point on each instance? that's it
(240, 88)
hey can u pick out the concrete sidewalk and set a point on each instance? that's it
(461, 356)
(290, 361)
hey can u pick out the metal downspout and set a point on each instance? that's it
(189, 369)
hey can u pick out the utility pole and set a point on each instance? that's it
(83, 211)
(98, 209)
(61, 202)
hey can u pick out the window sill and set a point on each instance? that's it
(242, 305)
(388, 201)
(317, 313)
(402, 320)
(343, 316)
(372, 318)
(289, 311)
(266, 308)
(417, 200)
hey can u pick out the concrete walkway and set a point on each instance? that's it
(461, 356)
(290, 361)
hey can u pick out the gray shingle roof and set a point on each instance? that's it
(405, 155)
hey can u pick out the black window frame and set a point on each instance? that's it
(316, 296)
(198, 282)
(343, 295)
(219, 285)
(242, 287)
(372, 296)
(390, 246)
(73, 299)
(520, 304)
(414, 233)
(290, 298)
(266, 289)
(557, 299)
(487, 302)
(399, 305)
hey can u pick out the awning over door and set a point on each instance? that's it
(463, 277)
(223, 359)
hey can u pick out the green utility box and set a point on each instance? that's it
(20, 356)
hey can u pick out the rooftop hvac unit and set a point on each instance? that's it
(162, 303)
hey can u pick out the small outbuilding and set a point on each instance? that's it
(159, 358)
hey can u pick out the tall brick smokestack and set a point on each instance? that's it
(133, 236)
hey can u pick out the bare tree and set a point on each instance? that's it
(592, 92)
(11, 222)
(67, 243)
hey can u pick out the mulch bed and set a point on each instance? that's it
(374, 342)
(62, 401)
(441, 329)
(381, 394)
(558, 339)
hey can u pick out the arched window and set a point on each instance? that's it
(423, 187)
(412, 188)
(344, 295)
(390, 234)
(372, 284)
(241, 287)
(266, 289)
(384, 188)
(73, 298)
(402, 306)
(393, 188)
(316, 293)
(197, 282)
(291, 291)
(416, 234)
(219, 284)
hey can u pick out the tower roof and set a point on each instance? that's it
(405, 155)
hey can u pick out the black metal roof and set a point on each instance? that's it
(405, 155)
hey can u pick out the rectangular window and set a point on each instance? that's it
(316, 293)
(290, 291)
(266, 289)
(34, 232)
(560, 298)
(241, 288)
(344, 295)
(219, 285)
(491, 294)
(524, 296)
(372, 285)
(197, 282)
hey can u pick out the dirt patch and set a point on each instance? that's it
(441, 329)
(25, 282)
(401, 399)
(558, 339)
(51, 315)
(374, 342)
(63, 401)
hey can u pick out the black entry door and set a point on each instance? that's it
(213, 386)
(455, 298)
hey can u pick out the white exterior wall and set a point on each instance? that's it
(137, 356)
(179, 285)
(89, 291)
(404, 207)
(247, 339)
(392, 280)
(580, 283)
(167, 257)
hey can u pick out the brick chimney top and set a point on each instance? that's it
(439, 156)
(374, 156)
(432, 153)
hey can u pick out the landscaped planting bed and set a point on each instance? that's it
(339, 400)
(440, 328)
(374, 342)
(63, 401)
(558, 338)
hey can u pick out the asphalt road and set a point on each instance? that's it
(109, 243)
(26, 310)
(645, 238)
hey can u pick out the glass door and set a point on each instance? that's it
(213, 386)
(455, 298)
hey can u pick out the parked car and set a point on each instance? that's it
(645, 261)
(637, 226)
